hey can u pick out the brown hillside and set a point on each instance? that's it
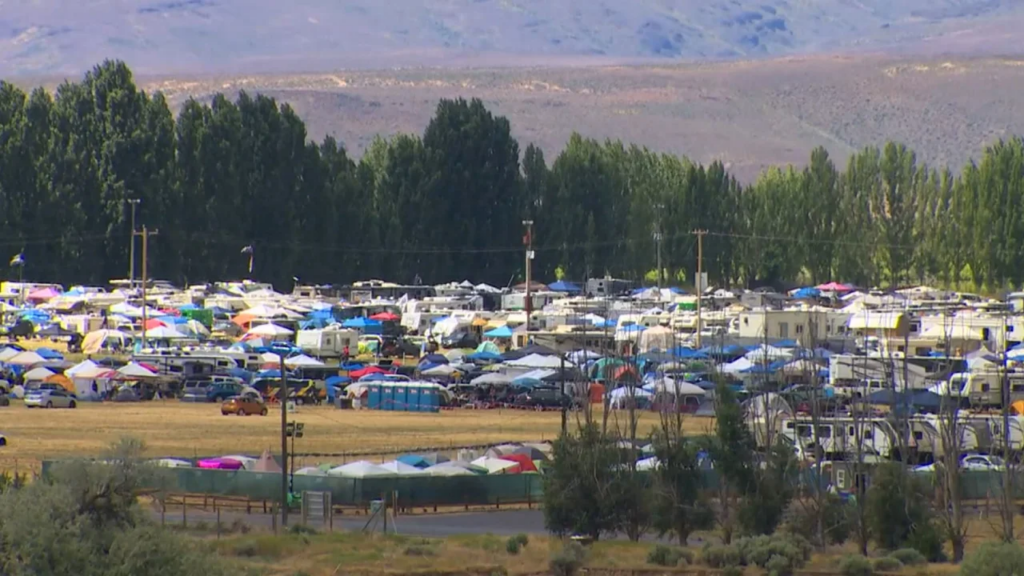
(748, 114)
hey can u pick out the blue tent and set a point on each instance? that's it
(563, 286)
(684, 353)
(727, 350)
(337, 381)
(484, 356)
(499, 332)
(241, 373)
(786, 344)
(414, 460)
(809, 292)
(49, 354)
(360, 323)
(353, 366)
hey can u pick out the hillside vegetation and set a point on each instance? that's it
(749, 115)
(160, 36)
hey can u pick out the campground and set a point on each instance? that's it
(173, 428)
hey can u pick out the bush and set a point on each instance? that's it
(569, 560)
(301, 529)
(419, 550)
(855, 565)
(909, 557)
(994, 559)
(246, 549)
(759, 550)
(662, 555)
(927, 539)
(801, 519)
(512, 546)
(732, 571)
(201, 526)
(720, 556)
(886, 564)
(239, 526)
(779, 566)
(522, 539)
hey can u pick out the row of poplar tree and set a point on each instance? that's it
(450, 204)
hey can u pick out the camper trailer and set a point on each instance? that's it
(328, 342)
(984, 389)
(838, 437)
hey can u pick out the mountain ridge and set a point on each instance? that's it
(264, 36)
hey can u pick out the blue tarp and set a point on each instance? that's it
(499, 332)
(684, 353)
(809, 292)
(484, 357)
(563, 286)
(361, 323)
(786, 344)
(49, 354)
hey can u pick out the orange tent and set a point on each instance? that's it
(1018, 407)
(61, 379)
(242, 320)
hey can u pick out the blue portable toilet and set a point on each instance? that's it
(400, 398)
(387, 396)
(374, 397)
(430, 400)
(414, 397)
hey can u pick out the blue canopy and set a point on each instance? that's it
(312, 324)
(530, 383)
(484, 356)
(49, 354)
(563, 286)
(414, 460)
(727, 350)
(788, 343)
(809, 292)
(684, 353)
(337, 381)
(241, 373)
(353, 366)
(274, 373)
(499, 332)
(361, 323)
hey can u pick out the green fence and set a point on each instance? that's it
(412, 491)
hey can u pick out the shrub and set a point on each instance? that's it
(569, 560)
(732, 571)
(246, 549)
(855, 565)
(720, 556)
(301, 529)
(908, 557)
(201, 526)
(419, 550)
(779, 566)
(522, 539)
(886, 564)
(239, 526)
(662, 555)
(994, 559)
(927, 539)
(512, 546)
(837, 521)
(759, 550)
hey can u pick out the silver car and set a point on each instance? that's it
(50, 398)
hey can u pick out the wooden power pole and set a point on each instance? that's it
(145, 233)
(699, 283)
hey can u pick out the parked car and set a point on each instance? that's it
(50, 398)
(213, 392)
(244, 405)
(542, 398)
(3, 440)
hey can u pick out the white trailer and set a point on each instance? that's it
(328, 342)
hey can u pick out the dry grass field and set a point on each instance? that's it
(171, 428)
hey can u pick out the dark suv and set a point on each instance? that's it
(543, 399)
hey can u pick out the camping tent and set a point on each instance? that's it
(360, 469)
(135, 370)
(303, 361)
(26, 358)
(270, 330)
(537, 361)
(499, 332)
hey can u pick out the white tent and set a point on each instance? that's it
(403, 469)
(767, 352)
(85, 365)
(303, 361)
(135, 370)
(648, 463)
(39, 373)
(164, 333)
(360, 469)
(495, 465)
(537, 361)
(448, 469)
(8, 353)
(26, 358)
(171, 463)
(270, 330)
(440, 370)
(268, 357)
(737, 366)
(657, 338)
(196, 327)
(264, 311)
(678, 387)
(310, 471)
(620, 397)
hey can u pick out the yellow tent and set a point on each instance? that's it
(61, 379)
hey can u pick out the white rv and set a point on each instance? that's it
(328, 343)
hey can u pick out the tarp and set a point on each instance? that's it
(500, 332)
(537, 361)
(563, 286)
(385, 317)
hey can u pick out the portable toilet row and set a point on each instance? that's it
(404, 397)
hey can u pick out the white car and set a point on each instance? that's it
(982, 463)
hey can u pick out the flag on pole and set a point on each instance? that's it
(18, 260)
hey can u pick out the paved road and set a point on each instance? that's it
(502, 523)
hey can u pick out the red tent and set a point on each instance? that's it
(357, 374)
(154, 323)
(525, 464)
(385, 316)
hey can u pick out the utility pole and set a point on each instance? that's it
(657, 239)
(700, 282)
(131, 250)
(528, 241)
(145, 268)
(283, 396)
(564, 399)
